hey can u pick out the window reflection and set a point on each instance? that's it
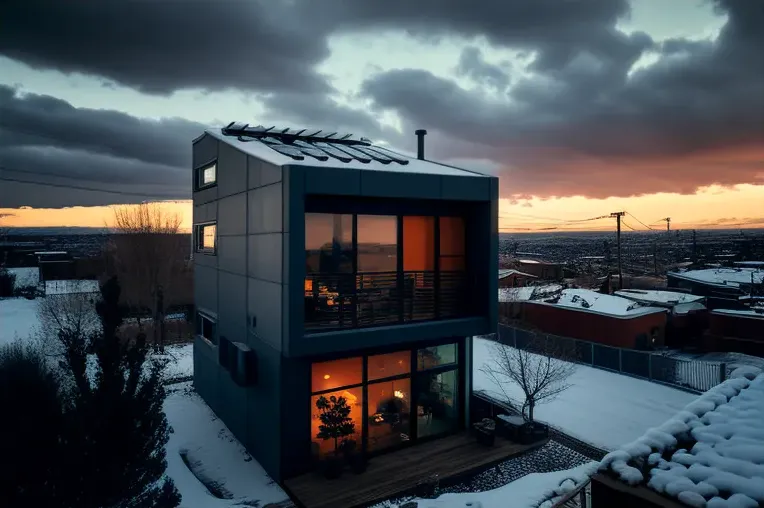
(451, 243)
(436, 356)
(328, 243)
(377, 243)
(437, 411)
(418, 243)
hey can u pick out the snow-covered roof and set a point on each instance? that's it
(506, 272)
(528, 293)
(722, 276)
(65, 287)
(325, 150)
(686, 308)
(746, 313)
(658, 297)
(51, 253)
(588, 300)
(710, 454)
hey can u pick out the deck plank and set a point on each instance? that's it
(398, 473)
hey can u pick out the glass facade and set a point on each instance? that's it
(374, 270)
(376, 402)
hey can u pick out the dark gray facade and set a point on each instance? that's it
(251, 284)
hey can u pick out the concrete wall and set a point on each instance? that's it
(594, 327)
(241, 285)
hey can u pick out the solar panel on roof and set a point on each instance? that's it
(319, 144)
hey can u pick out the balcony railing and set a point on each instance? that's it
(339, 301)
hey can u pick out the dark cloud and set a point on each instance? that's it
(472, 64)
(161, 46)
(43, 139)
(584, 126)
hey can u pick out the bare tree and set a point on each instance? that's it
(148, 256)
(66, 315)
(538, 369)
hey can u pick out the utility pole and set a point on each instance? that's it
(618, 216)
(668, 224)
(694, 246)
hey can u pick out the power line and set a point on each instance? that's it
(91, 189)
(636, 219)
(627, 225)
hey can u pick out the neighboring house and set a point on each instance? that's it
(709, 454)
(722, 287)
(595, 317)
(740, 331)
(70, 287)
(509, 278)
(541, 269)
(687, 313)
(327, 266)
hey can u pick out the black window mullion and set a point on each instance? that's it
(414, 410)
(354, 275)
(436, 282)
(365, 405)
(400, 296)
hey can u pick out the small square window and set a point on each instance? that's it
(205, 327)
(207, 176)
(206, 238)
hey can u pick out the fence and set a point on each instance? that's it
(692, 375)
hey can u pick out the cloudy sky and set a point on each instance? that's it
(582, 107)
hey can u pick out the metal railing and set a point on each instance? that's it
(341, 301)
(692, 375)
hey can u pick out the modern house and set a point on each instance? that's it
(328, 266)
(740, 331)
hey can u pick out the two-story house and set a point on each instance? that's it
(326, 265)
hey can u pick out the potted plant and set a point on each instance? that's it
(336, 424)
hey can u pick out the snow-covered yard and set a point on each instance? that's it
(25, 276)
(602, 408)
(215, 457)
(530, 491)
(18, 319)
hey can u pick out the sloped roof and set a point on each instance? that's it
(284, 146)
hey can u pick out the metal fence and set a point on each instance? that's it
(692, 375)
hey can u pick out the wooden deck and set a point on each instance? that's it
(398, 473)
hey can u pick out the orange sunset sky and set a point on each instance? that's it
(740, 206)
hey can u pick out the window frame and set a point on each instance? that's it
(199, 174)
(200, 317)
(199, 237)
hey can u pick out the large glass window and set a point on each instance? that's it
(389, 410)
(400, 406)
(336, 421)
(336, 373)
(436, 356)
(437, 403)
(377, 243)
(328, 243)
(374, 270)
(389, 365)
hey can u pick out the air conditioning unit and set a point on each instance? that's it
(243, 366)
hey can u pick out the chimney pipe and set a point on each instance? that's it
(420, 134)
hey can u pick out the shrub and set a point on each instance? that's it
(7, 282)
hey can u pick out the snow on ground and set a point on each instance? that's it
(525, 293)
(25, 276)
(530, 491)
(18, 319)
(181, 361)
(733, 360)
(603, 408)
(215, 456)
